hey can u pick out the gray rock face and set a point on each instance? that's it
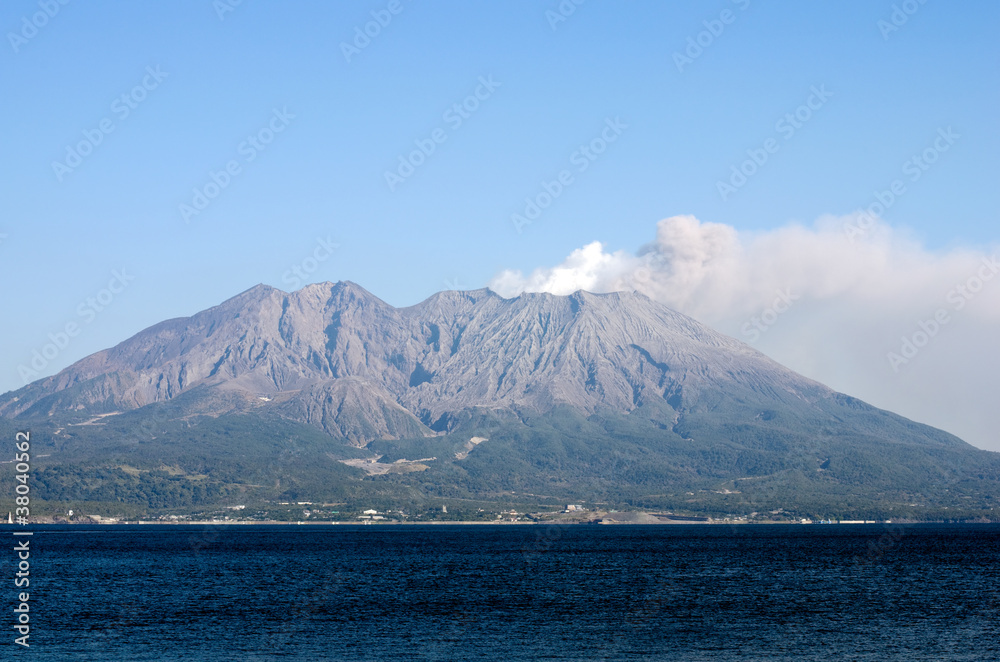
(339, 358)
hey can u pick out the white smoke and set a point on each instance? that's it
(851, 302)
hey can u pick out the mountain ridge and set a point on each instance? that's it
(587, 396)
(276, 341)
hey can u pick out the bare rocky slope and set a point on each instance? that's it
(327, 348)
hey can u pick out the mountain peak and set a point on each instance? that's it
(348, 286)
(257, 291)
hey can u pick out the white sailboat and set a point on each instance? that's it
(9, 519)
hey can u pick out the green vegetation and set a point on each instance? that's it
(149, 462)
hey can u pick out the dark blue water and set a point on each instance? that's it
(839, 592)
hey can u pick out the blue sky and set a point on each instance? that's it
(225, 76)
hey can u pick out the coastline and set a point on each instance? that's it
(317, 523)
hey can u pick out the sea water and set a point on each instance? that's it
(508, 593)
